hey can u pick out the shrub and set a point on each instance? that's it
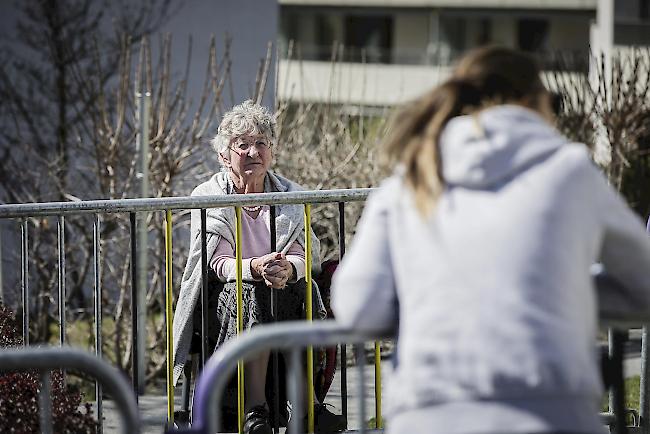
(19, 394)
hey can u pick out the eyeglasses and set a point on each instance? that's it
(242, 146)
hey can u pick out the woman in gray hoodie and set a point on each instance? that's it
(480, 244)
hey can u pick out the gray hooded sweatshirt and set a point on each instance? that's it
(496, 306)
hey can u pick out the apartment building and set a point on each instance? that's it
(387, 51)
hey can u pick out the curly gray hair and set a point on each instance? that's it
(245, 118)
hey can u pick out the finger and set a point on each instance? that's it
(281, 275)
(274, 279)
(273, 283)
(278, 283)
(268, 259)
(274, 269)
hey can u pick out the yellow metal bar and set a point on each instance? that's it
(379, 423)
(168, 317)
(240, 319)
(308, 303)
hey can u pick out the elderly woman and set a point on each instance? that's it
(244, 143)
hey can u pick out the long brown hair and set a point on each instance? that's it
(484, 77)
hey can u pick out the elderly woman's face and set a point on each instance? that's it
(249, 156)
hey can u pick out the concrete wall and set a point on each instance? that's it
(504, 31)
(355, 83)
(411, 30)
(250, 23)
(569, 33)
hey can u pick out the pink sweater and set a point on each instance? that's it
(256, 242)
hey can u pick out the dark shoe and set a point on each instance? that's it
(324, 421)
(327, 422)
(182, 419)
(257, 421)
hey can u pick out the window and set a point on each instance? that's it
(532, 34)
(373, 34)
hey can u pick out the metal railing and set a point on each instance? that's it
(167, 205)
(46, 360)
(291, 335)
(294, 336)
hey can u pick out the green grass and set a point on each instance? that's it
(80, 334)
(632, 387)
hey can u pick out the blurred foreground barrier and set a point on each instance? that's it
(46, 360)
(296, 336)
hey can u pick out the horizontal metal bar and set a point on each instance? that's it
(47, 359)
(185, 202)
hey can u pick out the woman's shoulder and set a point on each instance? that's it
(573, 160)
(388, 193)
(575, 153)
(281, 183)
(212, 186)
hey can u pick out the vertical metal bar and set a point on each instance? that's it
(359, 350)
(45, 403)
(168, 317)
(644, 404)
(142, 147)
(2, 288)
(134, 302)
(240, 319)
(24, 256)
(274, 312)
(344, 356)
(379, 423)
(610, 353)
(61, 272)
(618, 382)
(295, 387)
(204, 289)
(310, 314)
(98, 315)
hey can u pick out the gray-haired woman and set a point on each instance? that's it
(244, 144)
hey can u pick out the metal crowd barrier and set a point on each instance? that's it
(295, 336)
(166, 205)
(291, 335)
(46, 360)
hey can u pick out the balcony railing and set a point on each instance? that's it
(549, 60)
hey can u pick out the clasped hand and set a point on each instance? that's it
(273, 268)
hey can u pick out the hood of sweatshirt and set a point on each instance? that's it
(488, 148)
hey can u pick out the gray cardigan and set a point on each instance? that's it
(220, 223)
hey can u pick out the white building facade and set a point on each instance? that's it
(383, 52)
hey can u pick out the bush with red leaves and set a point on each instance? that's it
(19, 394)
